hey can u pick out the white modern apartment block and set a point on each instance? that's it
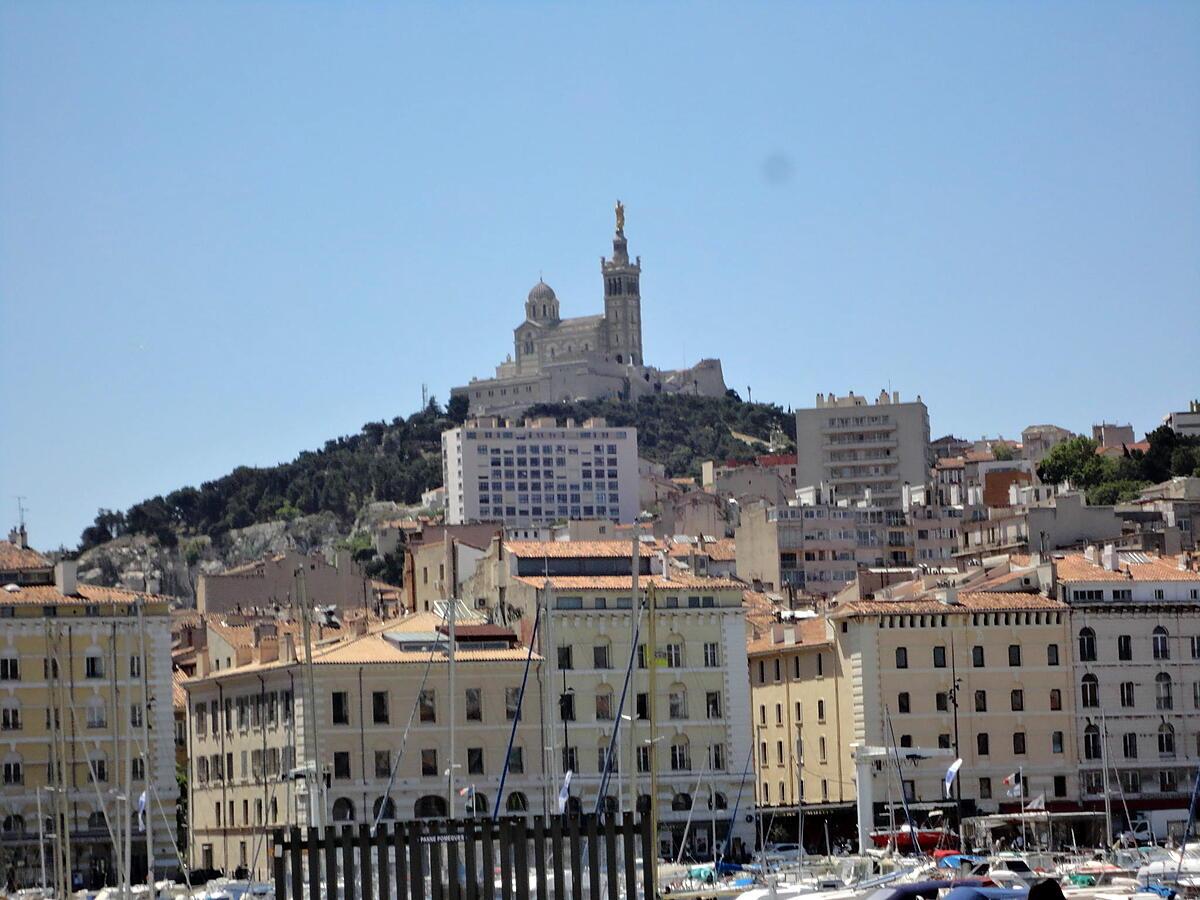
(860, 449)
(539, 472)
(1186, 423)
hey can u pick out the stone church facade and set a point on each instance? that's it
(589, 357)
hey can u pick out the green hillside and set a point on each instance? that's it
(401, 459)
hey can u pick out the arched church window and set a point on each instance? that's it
(543, 309)
(619, 357)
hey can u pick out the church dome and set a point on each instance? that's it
(541, 293)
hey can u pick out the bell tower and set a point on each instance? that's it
(622, 298)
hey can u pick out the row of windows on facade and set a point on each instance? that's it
(1160, 645)
(15, 824)
(254, 764)
(252, 711)
(229, 821)
(50, 610)
(940, 620)
(94, 666)
(1124, 594)
(672, 602)
(1059, 789)
(1133, 781)
(95, 715)
(95, 766)
(599, 451)
(677, 705)
(670, 655)
(1164, 692)
(547, 512)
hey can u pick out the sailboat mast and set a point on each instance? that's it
(147, 769)
(1108, 827)
(316, 805)
(652, 675)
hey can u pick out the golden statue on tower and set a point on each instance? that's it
(620, 217)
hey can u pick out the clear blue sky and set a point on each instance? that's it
(229, 231)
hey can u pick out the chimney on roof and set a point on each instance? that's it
(1110, 559)
(287, 651)
(64, 577)
(1089, 553)
(357, 626)
(19, 536)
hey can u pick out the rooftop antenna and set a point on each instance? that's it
(424, 395)
(21, 510)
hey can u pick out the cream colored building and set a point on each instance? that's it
(585, 589)
(255, 737)
(881, 672)
(82, 669)
(1135, 624)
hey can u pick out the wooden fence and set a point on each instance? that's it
(605, 857)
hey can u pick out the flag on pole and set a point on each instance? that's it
(1038, 803)
(951, 774)
(142, 812)
(1013, 783)
(564, 793)
(466, 790)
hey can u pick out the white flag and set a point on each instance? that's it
(142, 812)
(951, 773)
(1038, 802)
(564, 793)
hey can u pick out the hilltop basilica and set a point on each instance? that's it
(588, 357)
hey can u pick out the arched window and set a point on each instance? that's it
(1159, 641)
(10, 666)
(517, 802)
(643, 804)
(677, 702)
(97, 715)
(343, 810)
(720, 801)
(13, 824)
(619, 355)
(477, 803)
(604, 703)
(681, 759)
(608, 804)
(1166, 740)
(1087, 645)
(574, 807)
(681, 802)
(1091, 742)
(1089, 691)
(10, 715)
(431, 806)
(388, 807)
(1162, 687)
(96, 821)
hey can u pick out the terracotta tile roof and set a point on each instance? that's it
(809, 632)
(968, 601)
(21, 559)
(576, 549)
(722, 550)
(13, 558)
(178, 692)
(760, 611)
(953, 462)
(674, 582)
(374, 647)
(253, 566)
(1074, 567)
(48, 594)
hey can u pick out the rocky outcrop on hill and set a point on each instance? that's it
(140, 562)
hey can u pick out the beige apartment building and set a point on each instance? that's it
(817, 544)
(274, 742)
(270, 583)
(81, 671)
(701, 697)
(1135, 623)
(881, 673)
(858, 448)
